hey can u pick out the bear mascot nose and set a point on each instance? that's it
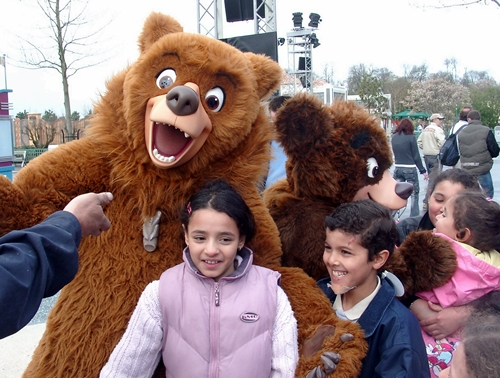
(182, 101)
(404, 189)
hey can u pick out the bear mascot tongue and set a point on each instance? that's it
(187, 111)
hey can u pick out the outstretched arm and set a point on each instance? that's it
(37, 262)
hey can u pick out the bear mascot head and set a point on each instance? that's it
(189, 110)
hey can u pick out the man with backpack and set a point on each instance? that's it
(478, 147)
(462, 120)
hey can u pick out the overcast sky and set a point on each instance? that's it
(378, 33)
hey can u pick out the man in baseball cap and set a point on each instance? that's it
(430, 141)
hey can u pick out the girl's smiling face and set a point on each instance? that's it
(213, 239)
(440, 195)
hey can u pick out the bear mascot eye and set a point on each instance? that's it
(372, 167)
(165, 78)
(215, 99)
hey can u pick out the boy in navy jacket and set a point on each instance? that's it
(360, 237)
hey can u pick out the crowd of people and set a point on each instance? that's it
(447, 332)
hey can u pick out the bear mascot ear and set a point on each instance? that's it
(266, 83)
(156, 26)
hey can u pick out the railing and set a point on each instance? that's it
(32, 153)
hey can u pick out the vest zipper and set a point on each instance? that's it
(217, 294)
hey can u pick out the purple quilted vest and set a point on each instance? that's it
(218, 329)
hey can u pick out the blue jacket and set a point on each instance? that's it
(36, 263)
(395, 345)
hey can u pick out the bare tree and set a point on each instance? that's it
(328, 73)
(39, 132)
(70, 35)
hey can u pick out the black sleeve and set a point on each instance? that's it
(492, 144)
(36, 263)
(416, 156)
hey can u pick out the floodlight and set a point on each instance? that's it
(315, 20)
(314, 40)
(297, 20)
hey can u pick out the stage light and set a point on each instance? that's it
(297, 20)
(315, 20)
(281, 41)
(313, 40)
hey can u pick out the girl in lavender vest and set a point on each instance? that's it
(215, 314)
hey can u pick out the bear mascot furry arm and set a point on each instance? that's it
(338, 154)
(187, 111)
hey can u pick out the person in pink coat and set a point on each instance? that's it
(471, 222)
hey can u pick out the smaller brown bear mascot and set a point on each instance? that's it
(338, 154)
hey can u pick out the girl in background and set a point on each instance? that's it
(215, 314)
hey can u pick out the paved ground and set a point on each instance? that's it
(16, 350)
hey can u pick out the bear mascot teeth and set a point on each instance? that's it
(187, 111)
(337, 154)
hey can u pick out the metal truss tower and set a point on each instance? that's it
(210, 17)
(300, 44)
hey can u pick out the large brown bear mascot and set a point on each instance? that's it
(187, 111)
(338, 154)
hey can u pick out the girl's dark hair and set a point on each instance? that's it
(481, 216)
(405, 126)
(371, 222)
(481, 336)
(456, 176)
(220, 196)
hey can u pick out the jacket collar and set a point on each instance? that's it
(243, 260)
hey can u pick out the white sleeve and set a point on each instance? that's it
(139, 351)
(285, 344)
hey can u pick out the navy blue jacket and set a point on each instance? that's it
(395, 344)
(36, 263)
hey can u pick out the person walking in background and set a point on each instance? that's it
(407, 160)
(215, 314)
(422, 124)
(430, 141)
(277, 165)
(36, 262)
(462, 121)
(478, 147)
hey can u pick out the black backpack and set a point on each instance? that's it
(449, 153)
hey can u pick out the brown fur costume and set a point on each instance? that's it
(338, 154)
(128, 153)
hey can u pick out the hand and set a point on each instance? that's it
(446, 321)
(426, 176)
(87, 208)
